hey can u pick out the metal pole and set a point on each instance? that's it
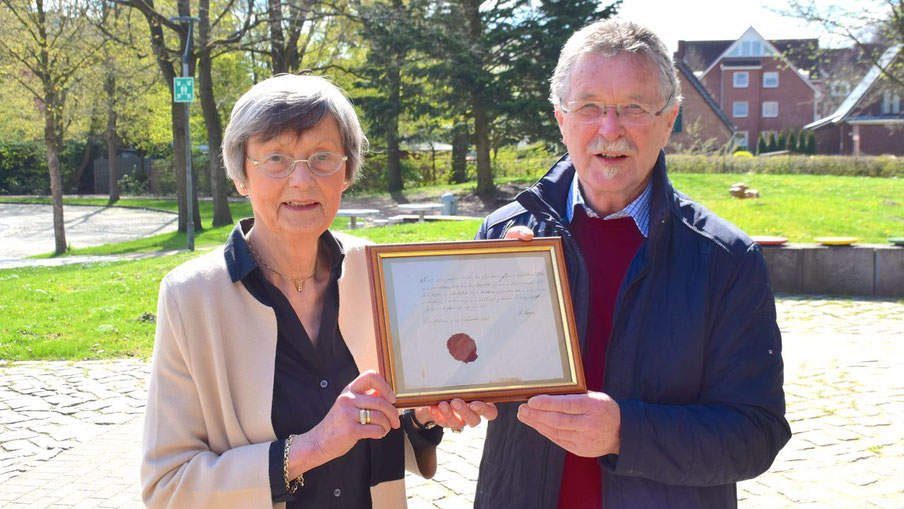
(190, 220)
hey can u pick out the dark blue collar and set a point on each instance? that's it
(240, 262)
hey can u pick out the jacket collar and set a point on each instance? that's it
(240, 262)
(550, 193)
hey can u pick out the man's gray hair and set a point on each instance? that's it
(290, 103)
(610, 38)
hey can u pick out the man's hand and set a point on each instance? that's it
(586, 425)
(519, 232)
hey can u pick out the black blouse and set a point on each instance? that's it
(307, 381)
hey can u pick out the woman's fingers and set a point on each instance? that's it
(486, 410)
(370, 382)
(376, 405)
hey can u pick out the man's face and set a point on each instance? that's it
(613, 160)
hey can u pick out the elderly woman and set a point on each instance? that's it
(260, 390)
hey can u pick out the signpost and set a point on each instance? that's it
(184, 92)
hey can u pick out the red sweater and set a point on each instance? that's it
(608, 248)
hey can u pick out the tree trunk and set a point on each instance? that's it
(394, 86)
(478, 104)
(393, 157)
(56, 178)
(110, 87)
(76, 181)
(460, 153)
(485, 185)
(221, 214)
(277, 37)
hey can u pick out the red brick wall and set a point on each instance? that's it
(708, 126)
(795, 98)
(874, 140)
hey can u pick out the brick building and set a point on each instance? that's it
(701, 125)
(870, 121)
(755, 83)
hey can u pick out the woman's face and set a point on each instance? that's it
(302, 204)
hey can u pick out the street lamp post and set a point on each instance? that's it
(190, 221)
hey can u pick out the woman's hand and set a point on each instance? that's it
(341, 429)
(457, 414)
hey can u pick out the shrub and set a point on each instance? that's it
(867, 166)
(742, 153)
(23, 168)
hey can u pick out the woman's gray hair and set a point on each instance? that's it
(290, 103)
(610, 38)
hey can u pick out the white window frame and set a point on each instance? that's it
(740, 138)
(896, 104)
(768, 111)
(736, 113)
(840, 88)
(737, 83)
(766, 79)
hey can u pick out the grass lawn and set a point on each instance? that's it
(107, 310)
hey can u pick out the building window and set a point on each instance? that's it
(840, 88)
(740, 139)
(891, 103)
(770, 109)
(770, 79)
(741, 79)
(739, 109)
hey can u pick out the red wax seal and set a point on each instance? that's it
(462, 347)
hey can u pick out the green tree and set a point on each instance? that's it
(781, 142)
(811, 143)
(792, 141)
(45, 48)
(388, 27)
(533, 56)
(761, 144)
(772, 146)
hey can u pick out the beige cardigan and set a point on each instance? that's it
(207, 429)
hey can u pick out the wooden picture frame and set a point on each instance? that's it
(487, 320)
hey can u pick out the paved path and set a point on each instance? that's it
(70, 432)
(27, 230)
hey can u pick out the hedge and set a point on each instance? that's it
(866, 166)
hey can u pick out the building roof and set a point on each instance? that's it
(700, 55)
(752, 44)
(847, 107)
(688, 76)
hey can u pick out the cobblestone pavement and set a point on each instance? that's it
(70, 432)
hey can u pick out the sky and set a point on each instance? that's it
(698, 20)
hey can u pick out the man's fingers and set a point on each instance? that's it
(555, 420)
(519, 232)
(464, 411)
(568, 404)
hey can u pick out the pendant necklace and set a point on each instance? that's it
(299, 283)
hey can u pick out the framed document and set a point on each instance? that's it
(486, 320)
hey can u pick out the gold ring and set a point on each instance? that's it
(363, 416)
(367, 416)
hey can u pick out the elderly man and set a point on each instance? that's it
(673, 304)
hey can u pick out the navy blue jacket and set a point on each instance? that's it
(694, 362)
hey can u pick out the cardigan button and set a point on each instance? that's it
(324, 384)
(337, 492)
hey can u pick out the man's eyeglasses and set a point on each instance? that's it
(321, 164)
(588, 112)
